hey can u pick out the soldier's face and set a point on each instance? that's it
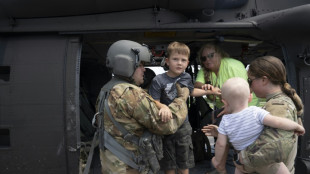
(138, 75)
(256, 86)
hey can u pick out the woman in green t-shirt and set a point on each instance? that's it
(216, 68)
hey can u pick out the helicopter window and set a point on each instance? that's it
(5, 73)
(5, 138)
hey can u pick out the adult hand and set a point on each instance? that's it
(207, 87)
(210, 130)
(223, 112)
(216, 91)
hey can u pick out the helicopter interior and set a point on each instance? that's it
(241, 46)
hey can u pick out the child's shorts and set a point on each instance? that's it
(178, 149)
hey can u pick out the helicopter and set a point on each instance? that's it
(52, 63)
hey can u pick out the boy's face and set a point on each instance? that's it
(177, 63)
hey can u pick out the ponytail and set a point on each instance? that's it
(289, 91)
(206, 75)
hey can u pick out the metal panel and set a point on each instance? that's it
(305, 96)
(72, 116)
(34, 105)
(303, 162)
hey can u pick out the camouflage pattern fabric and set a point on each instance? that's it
(178, 149)
(136, 111)
(275, 145)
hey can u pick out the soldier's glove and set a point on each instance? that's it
(182, 92)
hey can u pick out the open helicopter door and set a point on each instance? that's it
(39, 103)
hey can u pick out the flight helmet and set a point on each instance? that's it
(124, 56)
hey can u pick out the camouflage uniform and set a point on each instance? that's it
(136, 111)
(273, 145)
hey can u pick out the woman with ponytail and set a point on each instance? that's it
(267, 79)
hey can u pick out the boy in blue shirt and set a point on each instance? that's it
(178, 151)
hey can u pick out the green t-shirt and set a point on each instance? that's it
(229, 68)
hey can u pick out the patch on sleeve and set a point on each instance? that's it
(277, 108)
(277, 102)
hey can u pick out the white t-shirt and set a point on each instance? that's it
(244, 127)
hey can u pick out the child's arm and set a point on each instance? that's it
(164, 111)
(221, 151)
(283, 123)
(200, 92)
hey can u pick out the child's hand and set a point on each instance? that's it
(300, 130)
(165, 113)
(214, 162)
(210, 130)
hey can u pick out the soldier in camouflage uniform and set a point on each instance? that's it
(267, 78)
(132, 107)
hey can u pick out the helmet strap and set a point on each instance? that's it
(136, 51)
